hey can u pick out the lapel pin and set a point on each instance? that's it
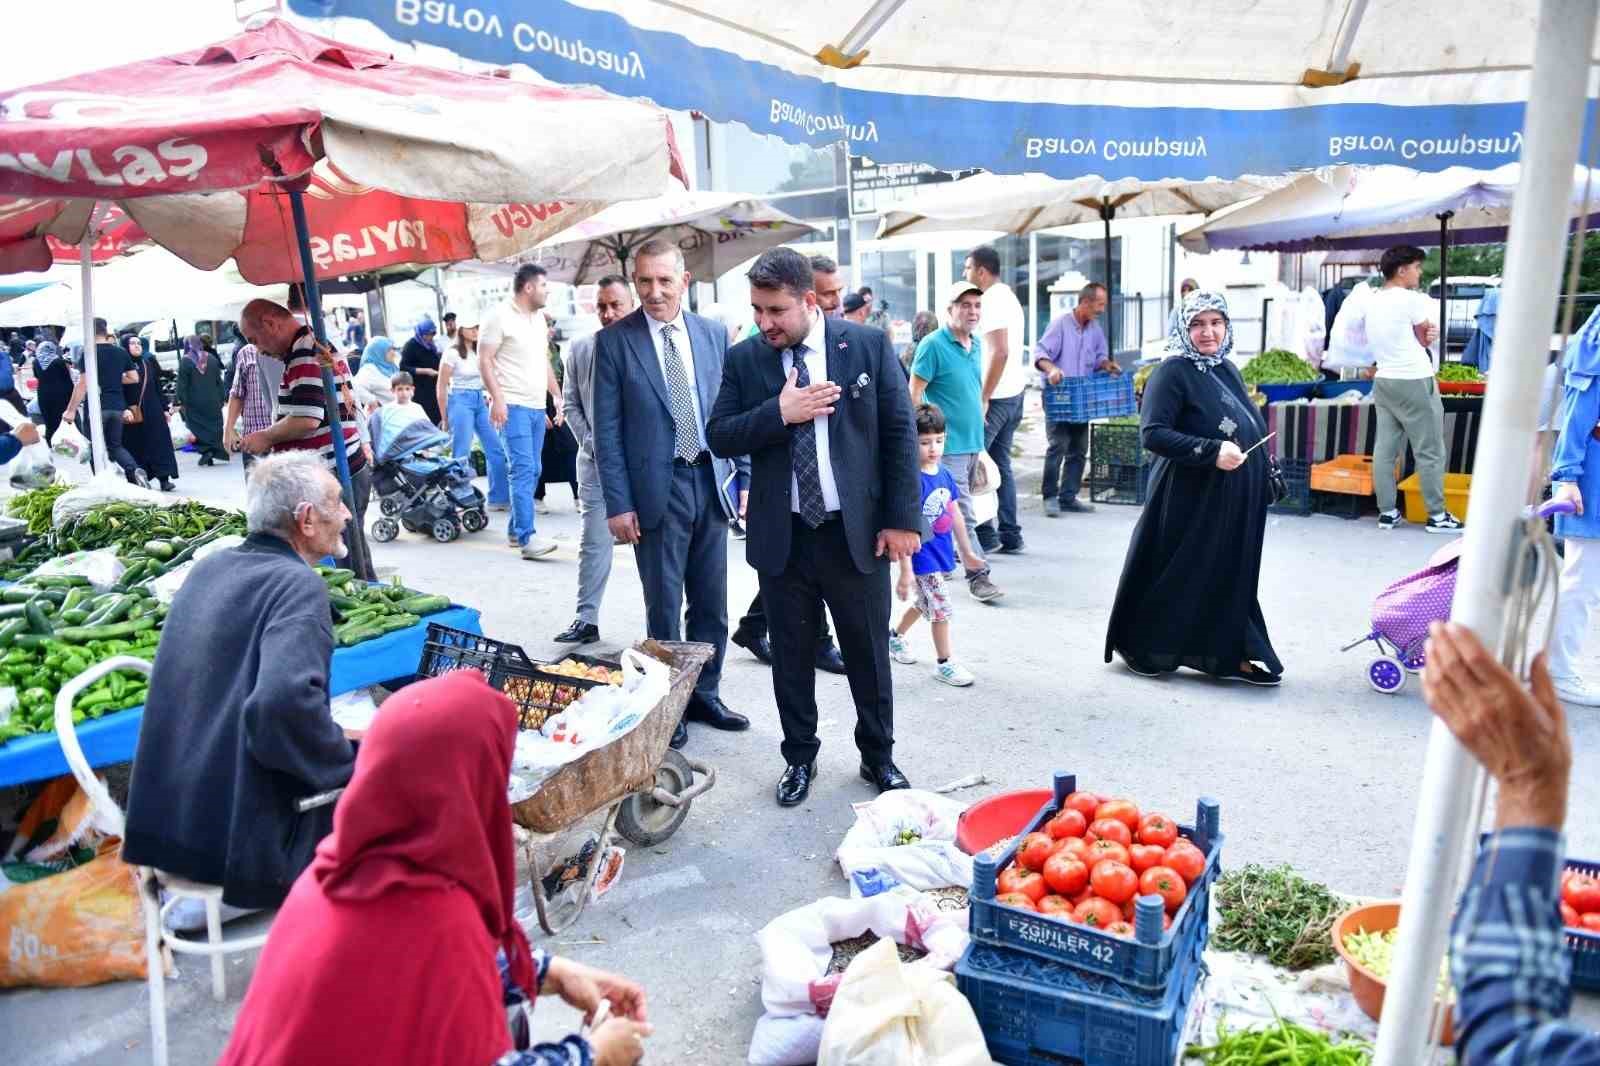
(860, 383)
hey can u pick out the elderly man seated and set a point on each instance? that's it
(1510, 965)
(237, 728)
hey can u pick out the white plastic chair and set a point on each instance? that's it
(152, 882)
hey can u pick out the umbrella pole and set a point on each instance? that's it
(1444, 284)
(1553, 125)
(330, 392)
(91, 365)
(1106, 214)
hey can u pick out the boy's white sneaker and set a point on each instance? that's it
(953, 673)
(899, 650)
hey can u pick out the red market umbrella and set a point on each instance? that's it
(215, 153)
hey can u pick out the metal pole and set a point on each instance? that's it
(1106, 214)
(1444, 284)
(1553, 127)
(91, 364)
(330, 391)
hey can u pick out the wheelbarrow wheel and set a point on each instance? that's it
(644, 820)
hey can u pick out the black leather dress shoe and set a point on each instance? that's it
(885, 776)
(714, 713)
(756, 644)
(680, 736)
(829, 659)
(795, 784)
(579, 632)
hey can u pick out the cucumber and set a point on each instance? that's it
(74, 598)
(159, 549)
(84, 634)
(11, 629)
(420, 604)
(12, 610)
(37, 622)
(77, 616)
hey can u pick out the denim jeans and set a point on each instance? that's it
(524, 436)
(468, 412)
(1000, 426)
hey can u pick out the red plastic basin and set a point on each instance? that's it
(998, 818)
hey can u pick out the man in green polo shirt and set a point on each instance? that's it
(947, 372)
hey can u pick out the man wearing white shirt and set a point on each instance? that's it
(1000, 332)
(656, 372)
(1405, 393)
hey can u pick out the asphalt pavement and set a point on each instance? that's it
(1322, 773)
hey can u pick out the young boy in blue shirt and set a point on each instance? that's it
(925, 571)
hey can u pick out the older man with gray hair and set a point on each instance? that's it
(237, 727)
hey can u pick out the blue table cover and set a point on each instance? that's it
(112, 739)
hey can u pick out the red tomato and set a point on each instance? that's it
(1165, 882)
(1107, 849)
(1157, 829)
(1069, 823)
(1188, 860)
(1166, 922)
(1591, 922)
(1016, 899)
(1058, 905)
(1123, 811)
(1027, 882)
(1143, 856)
(1035, 849)
(1130, 909)
(1120, 929)
(1582, 891)
(1114, 881)
(1087, 893)
(1109, 829)
(1085, 803)
(1077, 847)
(1569, 916)
(1065, 874)
(1097, 913)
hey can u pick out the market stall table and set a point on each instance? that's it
(112, 739)
(1316, 431)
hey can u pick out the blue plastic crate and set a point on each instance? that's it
(1584, 947)
(1088, 398)
(1035, 1013)
(1145, 960)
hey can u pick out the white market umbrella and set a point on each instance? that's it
(715, 231)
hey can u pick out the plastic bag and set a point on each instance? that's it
(32, 468)
(1314, 317)
(69, 443)
(888, 1013)
(80, 927)
(1347, 345)
(102, 489)
(181, 437)
(907, 836)
(984, 492)
(102, 568)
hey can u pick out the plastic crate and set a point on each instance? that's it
(1034, 1012)
(1145, 960)
(1351, 474)
(1118, 443)
(1088, 398)
(1457, 488)
(1297, 475)
(1118, 483)
(1584, 947)
(537, 692)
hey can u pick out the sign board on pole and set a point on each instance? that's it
(875, 187)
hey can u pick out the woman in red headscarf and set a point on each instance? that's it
(386, 949)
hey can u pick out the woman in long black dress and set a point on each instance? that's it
(54, 375)
(201, 399)
(1188, 590)
(149, 439)
(420, 359)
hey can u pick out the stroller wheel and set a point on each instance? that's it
(385, 530)
(445, 530)
(390, 505)
(1414, 661)
(1386, 674)
(472, 520)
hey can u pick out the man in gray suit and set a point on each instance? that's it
(656, 376)
(612, 302)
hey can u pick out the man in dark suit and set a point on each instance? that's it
(656, 373)
(820, 407)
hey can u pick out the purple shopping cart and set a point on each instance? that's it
(1403, 611)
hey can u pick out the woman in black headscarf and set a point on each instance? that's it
(1188, 590)
(54, 375)
(201, 399)
(148, 439)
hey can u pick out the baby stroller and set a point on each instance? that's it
(1403, 612)
(419, 487)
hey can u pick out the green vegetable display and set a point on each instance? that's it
(1459, 372)
(137, 533)
(1278, 366)
(1375, 951)
(1277, 913)
(363, 612)
(1283, 1044)
(36, 506)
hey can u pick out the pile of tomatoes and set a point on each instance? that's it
(1095, 858)
(1580, 901)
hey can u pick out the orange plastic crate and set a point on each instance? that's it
(1349, 474)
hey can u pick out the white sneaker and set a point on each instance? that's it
(538, 548)
(953, 673)
(540, 507)
(1577, 691)
(899, 650)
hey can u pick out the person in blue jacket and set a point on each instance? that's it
(1575, 476)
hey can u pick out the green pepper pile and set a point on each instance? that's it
(1459, 372)
(137, 533)
(363, 612)
(1279, 366)
(1283, 1044)
(36, 506)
